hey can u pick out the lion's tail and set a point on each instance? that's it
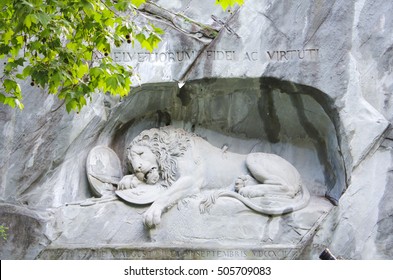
(290, 204)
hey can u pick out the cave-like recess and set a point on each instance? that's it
(295, 121)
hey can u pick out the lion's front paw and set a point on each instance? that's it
(152, 217)
(127, 182)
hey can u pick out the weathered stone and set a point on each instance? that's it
(26, 233)
(308, 81)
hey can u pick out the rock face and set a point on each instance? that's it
(310, 81)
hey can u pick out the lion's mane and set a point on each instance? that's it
(167, 144)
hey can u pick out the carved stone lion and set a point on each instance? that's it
(185, 165)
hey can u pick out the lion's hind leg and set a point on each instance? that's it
(274, 175)
(247, 186)
(263, 190)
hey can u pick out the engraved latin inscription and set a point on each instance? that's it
(180, 56)
(169, 56)
(285, 55)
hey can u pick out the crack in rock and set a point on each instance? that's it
(180, 22)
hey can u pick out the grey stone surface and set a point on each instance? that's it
(27, 234)
(364, 203)
(309, 80)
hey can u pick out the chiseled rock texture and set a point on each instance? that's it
(308, 80)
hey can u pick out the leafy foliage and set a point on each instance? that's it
(63, 46)
(3, 232)
(229, 3)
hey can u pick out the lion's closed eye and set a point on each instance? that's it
(138, 153)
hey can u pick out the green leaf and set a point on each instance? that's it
(141, 38)
(3, 232)
(158, 30)
(137, 3)
(30, 18)
(226, 3)
(10, 85)
(97, 17)
(72, 46)
(88, 7)
(122, 5)
(71, 105)
(96, 72)
(82, 101)
(20, 40)
(43, 18)
(27, 71)
(151, 43)
(112, 83)
(7, 36)
(20, 61)
(4, 49)
(27, 21)
(10, 101)
(56, 78)
(82, 70)
(110, 22)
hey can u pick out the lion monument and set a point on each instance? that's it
(182, 164)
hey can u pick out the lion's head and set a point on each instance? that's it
(167, 144)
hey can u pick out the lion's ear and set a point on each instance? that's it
(145, 137)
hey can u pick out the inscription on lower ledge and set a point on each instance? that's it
(171, 253)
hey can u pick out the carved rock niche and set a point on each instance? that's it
(297, 122)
